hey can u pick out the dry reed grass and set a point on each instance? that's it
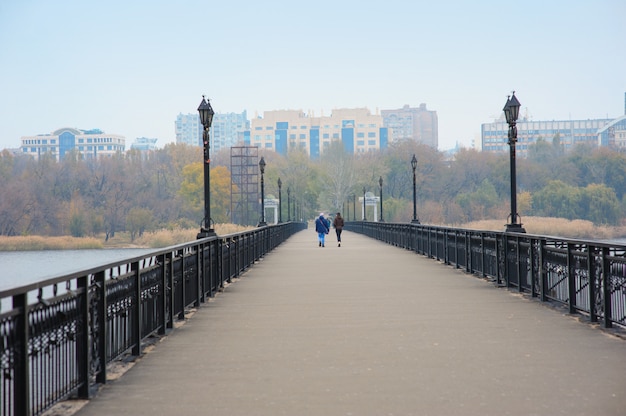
(37, 242)
(557, 227)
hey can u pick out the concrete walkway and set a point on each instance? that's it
(370, 329)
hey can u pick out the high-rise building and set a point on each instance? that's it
(89, 143)
(228, 129)
(410, 123)
(357, 129)
(494, 136)
(144, 144)
(188, 129)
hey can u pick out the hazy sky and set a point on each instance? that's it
(131, 66)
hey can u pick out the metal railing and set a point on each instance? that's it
(587, 277)
(59, 335)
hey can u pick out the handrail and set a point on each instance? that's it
(60, 334)
(586, 276)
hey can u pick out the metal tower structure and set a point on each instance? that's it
(244, 186)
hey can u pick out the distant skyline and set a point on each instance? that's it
(130, 67)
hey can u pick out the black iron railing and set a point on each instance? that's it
(59, 334)
(587, 277)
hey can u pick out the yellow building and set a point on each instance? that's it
(358, 130)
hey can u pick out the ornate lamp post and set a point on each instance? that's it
(280, 201)
(414, 166)
(262, 223)
(206, 118)
(364, 219)
(288, 204)
(380, 182)
(511, 112)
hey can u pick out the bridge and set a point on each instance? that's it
(461, 323)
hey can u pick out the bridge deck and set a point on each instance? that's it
(370, 329)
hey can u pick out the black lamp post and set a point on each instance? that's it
(511, 112)
(364, 216)
(280, 201)
(414, 166)
(288, 204)
(206, 118)
(380, 182)
(262, 168)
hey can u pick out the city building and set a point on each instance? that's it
(228, 129)
(494, 136)
(613, 134)
(410, 123)
(144, 144)
(188, 129)
(357, 129)
(89, 143)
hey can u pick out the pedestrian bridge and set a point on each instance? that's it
(371, 329)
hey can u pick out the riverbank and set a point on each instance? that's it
(558, 227)
(154, 239)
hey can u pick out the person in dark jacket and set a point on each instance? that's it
(338, 224)
(321, 228)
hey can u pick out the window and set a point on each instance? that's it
(257, 138)
(269, 128)
(335, 135)
(325, 136)
(292, 137)
(302, 136)
(371, 134)
(360, 142)
(268, 145)
(371, 142)
(360, 135)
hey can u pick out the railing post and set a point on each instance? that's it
(183, 285)
(571, 280)
(172, 291)
(201, 296)
(606, 285)
(21, 368)
(101, 323)
(162, 259)
(483, 255)
(136, 334)
(532, 258)
(518, 263)
(591, 262)
(83, 352)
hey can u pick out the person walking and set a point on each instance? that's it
(338, 224)
(321, 228)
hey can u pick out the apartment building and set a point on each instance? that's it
(89, 143)
(357, 129)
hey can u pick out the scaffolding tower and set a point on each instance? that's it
(245, 207)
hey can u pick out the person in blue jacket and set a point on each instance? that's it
(321, 228)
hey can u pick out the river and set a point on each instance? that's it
(18, 268)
